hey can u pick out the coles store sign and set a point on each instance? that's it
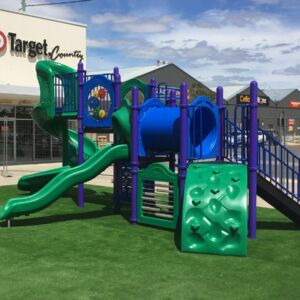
(34, 48)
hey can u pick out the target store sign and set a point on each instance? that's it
(3, 41)
(33, 48)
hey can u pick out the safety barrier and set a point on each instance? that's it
(276, 163)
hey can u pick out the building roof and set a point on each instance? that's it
(279, 94)
(133, 72)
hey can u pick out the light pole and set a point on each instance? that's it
(282, 126)
(23, 3)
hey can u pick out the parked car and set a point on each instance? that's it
(271, 137)
(260, 137)
(238, 140)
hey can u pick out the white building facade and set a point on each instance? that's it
(24, 40)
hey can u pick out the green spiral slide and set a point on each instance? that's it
(44, 116)
(64, 181)
(50, 185)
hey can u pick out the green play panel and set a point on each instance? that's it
(214, 210)
(158, 196)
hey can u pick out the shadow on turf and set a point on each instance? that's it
(91, 196)
(275, 225)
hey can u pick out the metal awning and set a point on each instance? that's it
(12, 94)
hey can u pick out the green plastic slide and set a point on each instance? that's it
(64, 181)
(214, 209)
(44, 116)
(34, 182)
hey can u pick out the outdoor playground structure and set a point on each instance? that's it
(173, 159)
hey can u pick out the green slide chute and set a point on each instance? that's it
(64, 181)
(44, 116)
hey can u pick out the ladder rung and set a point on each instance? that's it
(160, 205)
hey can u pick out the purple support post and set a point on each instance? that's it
(134, 152)
(220, 103)
(117, 87)
(252, 160)
(117, 167)
(80, 81)
(183, 138)
(172, 103)
(152, 88)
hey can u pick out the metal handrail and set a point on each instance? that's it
(276, 163)
(65, 91)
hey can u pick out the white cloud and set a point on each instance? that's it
(293, 70)
(247, 40)
(133, 24)
(110, 43)
(266, 1)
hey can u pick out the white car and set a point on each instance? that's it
(231, 138)
(260, 137)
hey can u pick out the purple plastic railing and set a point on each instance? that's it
(275, 162)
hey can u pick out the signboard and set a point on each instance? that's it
(291, 124)
(34, 48)
(3, 41)
(294, 103)
(245, 99)
(164, 92)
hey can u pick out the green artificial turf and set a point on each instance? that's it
(65, 252)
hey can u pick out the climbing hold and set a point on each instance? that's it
(235, 179)
(234, 229)
(196, 202)
(195, 227)
(216, 172)
(214, 191)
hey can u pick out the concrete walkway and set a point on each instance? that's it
(104, 179)
(17, 171)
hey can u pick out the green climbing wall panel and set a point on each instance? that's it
(214, 212)
(158, 196)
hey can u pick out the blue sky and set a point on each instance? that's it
(227, 42)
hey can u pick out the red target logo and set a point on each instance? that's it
(3, 41)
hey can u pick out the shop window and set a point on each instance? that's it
(24, 136)
(7, 110)
(24, 112)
